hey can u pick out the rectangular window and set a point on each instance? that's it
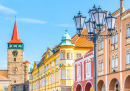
(115, 39)
(46, 81)
(128, 58)
(72, 56)
(128, 32)
(30, 77)
(68, 73)
(52, 64)
(53, 79)
(116, 62)
(88, 69)
(46, 67)
(49, 66)
(56, 61)
(68, 55)
(57, 77)
(50, 80)
(102, 66)
(14, 59)
(113, 63)
(79, 72)
(63, 55)
(100, 45)
(5, 86)
(63, 73)
(78, 55)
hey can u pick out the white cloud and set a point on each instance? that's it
(7, 10)
(65, 25)
(28, 20)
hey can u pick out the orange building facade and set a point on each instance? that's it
(113, 56)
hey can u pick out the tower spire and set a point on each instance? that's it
(15, 36)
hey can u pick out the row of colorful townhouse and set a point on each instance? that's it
(113, 60)
(67, 67)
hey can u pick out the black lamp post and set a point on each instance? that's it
(94, 26)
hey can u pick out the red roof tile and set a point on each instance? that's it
(82, 42)
(3, 78)
(15, 36)
(26, 61)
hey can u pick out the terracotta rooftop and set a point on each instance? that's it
(26, 61)
(81, 42)
(15, 36)
(3, 78)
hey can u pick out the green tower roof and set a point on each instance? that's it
(66, 39)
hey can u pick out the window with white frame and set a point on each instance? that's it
(78, 72)
(30, 87)
(50, 80)
(5, 86)
(53, 79)
(46, 81)
(100, 45)
(128, 32)
(52, 64)
(44, 69)
(101, 66)
(68, 73)
(114, 62)
(56, 61)
(78, 55)
(72, 56)
(88, 70)
(48, 66)
(115, 39)
(30, 77)
(57, 77)
(63, 55)
(63, 73)
(36, 85)
(128, 58)
(68, 55)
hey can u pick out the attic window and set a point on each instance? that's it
(48, 54)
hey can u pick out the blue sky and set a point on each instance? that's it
(42, 23)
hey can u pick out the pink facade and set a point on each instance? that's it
(83, 66)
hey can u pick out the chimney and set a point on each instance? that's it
(106, 13)
(121, 6)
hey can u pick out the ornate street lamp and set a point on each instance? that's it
(79, 21)
(94, 26)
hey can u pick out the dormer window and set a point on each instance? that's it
(48, 54)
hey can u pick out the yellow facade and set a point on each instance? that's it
(55, 70)
(4, 73)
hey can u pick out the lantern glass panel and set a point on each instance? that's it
(82, 22)
(77, 22)
(89, 27)
(92, 16)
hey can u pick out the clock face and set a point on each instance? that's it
(15, 53)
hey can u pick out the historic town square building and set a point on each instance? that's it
(83, 69)
(55, 70)
(113, 56)
(16, 78)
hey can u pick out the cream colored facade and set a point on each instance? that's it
(3, 84)
(55, 70)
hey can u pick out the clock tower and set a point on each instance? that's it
(15, 61)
